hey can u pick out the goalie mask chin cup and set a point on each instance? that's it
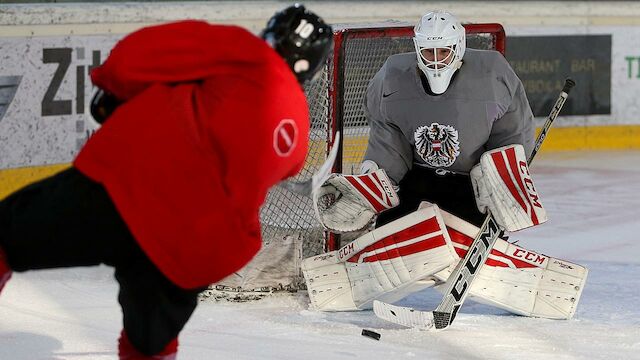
(435, 30)
(103, 104)
(302, 39)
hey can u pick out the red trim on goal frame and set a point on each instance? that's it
(336, 83)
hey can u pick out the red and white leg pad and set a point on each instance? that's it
(413, 253)
(516, 279)
(386, 263)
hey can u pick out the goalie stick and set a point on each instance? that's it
(309, 186)
(466, 271)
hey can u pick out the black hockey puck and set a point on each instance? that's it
(371, 334)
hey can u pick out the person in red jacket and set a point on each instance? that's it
(199, 121)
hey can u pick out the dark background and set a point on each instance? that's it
(543, 62)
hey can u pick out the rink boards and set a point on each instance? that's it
(48, 51)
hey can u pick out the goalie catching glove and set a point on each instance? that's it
(502, 184)
(347, 203)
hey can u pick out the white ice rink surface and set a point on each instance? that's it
(593, 201)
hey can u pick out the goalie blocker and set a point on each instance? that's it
(502, 185)
(414, 252)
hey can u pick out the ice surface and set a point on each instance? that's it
(593, 201)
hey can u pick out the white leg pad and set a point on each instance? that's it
(328, 284)
(519, 280)
(386, 263)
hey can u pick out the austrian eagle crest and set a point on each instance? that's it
(437, 144)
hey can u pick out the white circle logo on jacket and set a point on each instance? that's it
(285, 137)
(437, 144)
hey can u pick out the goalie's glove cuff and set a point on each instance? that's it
(347, 203)
(502, 184)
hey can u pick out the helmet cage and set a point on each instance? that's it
(436, 63)
(439, 30)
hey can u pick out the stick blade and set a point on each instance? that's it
(325, 170)
(311, 185)
(442, 320)
(403, 315)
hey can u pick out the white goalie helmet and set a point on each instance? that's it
(439, 39)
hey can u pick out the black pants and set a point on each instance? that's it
(451, 192)
(68, 220)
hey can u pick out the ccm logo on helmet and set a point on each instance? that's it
(285, 137)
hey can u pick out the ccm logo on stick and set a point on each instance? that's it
(479, 252)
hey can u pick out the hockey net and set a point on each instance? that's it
(290, 230)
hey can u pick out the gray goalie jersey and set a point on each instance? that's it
(485, 107)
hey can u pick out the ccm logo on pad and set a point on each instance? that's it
(528, 183)
(528, 255)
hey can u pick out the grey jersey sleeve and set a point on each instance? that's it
(516, 125)
(387, 145)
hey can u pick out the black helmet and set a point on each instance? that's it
(301, 38)
(102, 105)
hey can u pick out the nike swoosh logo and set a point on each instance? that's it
(389, 94)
